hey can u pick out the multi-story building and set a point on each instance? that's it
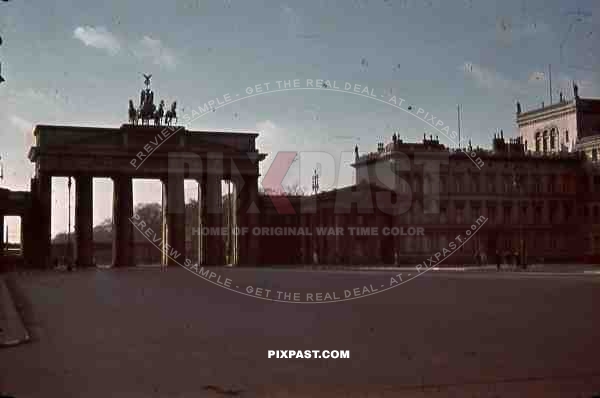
(569, 125)
(543, 206)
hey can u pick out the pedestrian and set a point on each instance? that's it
(497, 260)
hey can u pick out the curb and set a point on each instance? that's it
(11, 309)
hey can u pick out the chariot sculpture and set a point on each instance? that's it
(147, 110)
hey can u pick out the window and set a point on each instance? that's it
(596, 183)
(417, 211)
(432, 207)
(443, 240)
(538, 141)
(491, 183)
(491, 213)
(475, 212)
(552, 139)
(459, 215)
(594, 155)
(545, 143)
(426, 243)
(538, 215)
(567, 209)
(408, 243)
(416, 184)
(458, 183)
(403, 186)
(551, 186)
(426, 185)
(567, 136)
(506, 184)
(507, 211)
(443, 215)
(475, 184)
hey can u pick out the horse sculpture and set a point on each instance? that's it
(147, 110)
(171, 114)
(132, 113)
(158, 115)
(147, 107)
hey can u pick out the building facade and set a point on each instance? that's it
(569, 125)
(542, 206)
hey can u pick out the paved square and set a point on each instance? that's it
(143, 332)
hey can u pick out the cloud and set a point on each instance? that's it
(154, 50)
(295, 24)
(266, 125)
(98, 37)
(510, 32)
(537, 76)
(25, 127)
(488, 78)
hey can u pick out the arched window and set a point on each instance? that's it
(458, 183)
(431, 207)
(545, 142)
(416, 184)
(426, 184)
(538, 141)
(553, 139)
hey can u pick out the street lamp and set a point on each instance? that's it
(517, 184)
(315, 182)
(69, 225)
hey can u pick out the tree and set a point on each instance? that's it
(151, 215)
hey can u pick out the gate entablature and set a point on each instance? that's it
(138, 151)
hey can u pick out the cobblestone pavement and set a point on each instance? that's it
(143, 332)
(12, 330)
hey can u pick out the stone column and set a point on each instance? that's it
(214, 220)
(44, 213)
(122, 226)
(338, 238)
(84, 247)
(253, 241)
(2, 233)
(241, 211)
(174, 217)
(247, 218)
(200, 239)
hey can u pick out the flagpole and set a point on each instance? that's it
(550, 81)
(458, 114)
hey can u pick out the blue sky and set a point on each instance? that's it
(79, 62)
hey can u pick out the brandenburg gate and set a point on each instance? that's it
(168, 153)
